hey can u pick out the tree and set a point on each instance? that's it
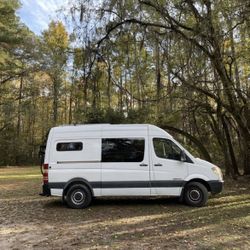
(181, 64)
(54, 45)
(12, 34)
(197, 24)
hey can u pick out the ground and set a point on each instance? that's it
(30, 221)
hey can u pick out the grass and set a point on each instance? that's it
(33, 222)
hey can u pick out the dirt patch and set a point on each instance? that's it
(29, 221)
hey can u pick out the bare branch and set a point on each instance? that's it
(128, 21)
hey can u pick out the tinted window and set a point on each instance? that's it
(69, 146)
(122, 150)
(166, 149)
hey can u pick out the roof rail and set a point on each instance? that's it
(80, 124)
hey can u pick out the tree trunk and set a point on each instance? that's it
(246, 149)
(157, 75)
(109, 84)
(70, 103)
(222, 143)
(55, 100)
(17, 148)
(230, 147)
(120, 93)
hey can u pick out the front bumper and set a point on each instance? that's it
(215, 186)
(46, 190)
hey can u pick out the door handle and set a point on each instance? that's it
(158, 165)
(143, 165)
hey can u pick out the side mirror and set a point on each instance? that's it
(183, 156)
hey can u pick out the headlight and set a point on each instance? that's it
(218, 172)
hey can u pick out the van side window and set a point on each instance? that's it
(166, 149)
(123, 150)
(69, 146)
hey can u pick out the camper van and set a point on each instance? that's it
(86, 161)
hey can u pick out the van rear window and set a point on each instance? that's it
(69, 146)
(123, 150)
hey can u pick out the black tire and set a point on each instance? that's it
(64, 199)
(78, 196)
(195, 194)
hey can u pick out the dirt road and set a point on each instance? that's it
(29, 221)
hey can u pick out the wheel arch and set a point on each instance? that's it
(74, 181)
(202, 181)
(195, 179)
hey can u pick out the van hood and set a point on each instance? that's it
(203, 163)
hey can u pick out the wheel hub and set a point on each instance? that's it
(194, 194)
(77, 197)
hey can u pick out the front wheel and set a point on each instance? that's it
(195, 194)
(78, 196)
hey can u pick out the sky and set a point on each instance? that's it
(37, 14)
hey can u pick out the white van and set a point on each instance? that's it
(86, 161)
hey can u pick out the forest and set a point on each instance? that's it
(183, 65)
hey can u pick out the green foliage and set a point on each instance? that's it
(9, 22)
(180, 64)
(55, 44)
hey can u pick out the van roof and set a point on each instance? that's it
(153, 130)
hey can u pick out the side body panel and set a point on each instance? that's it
(126, 178)
(66, 165)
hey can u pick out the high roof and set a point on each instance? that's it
(152, 129)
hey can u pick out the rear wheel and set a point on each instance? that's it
(195, 194)
(78, 196)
